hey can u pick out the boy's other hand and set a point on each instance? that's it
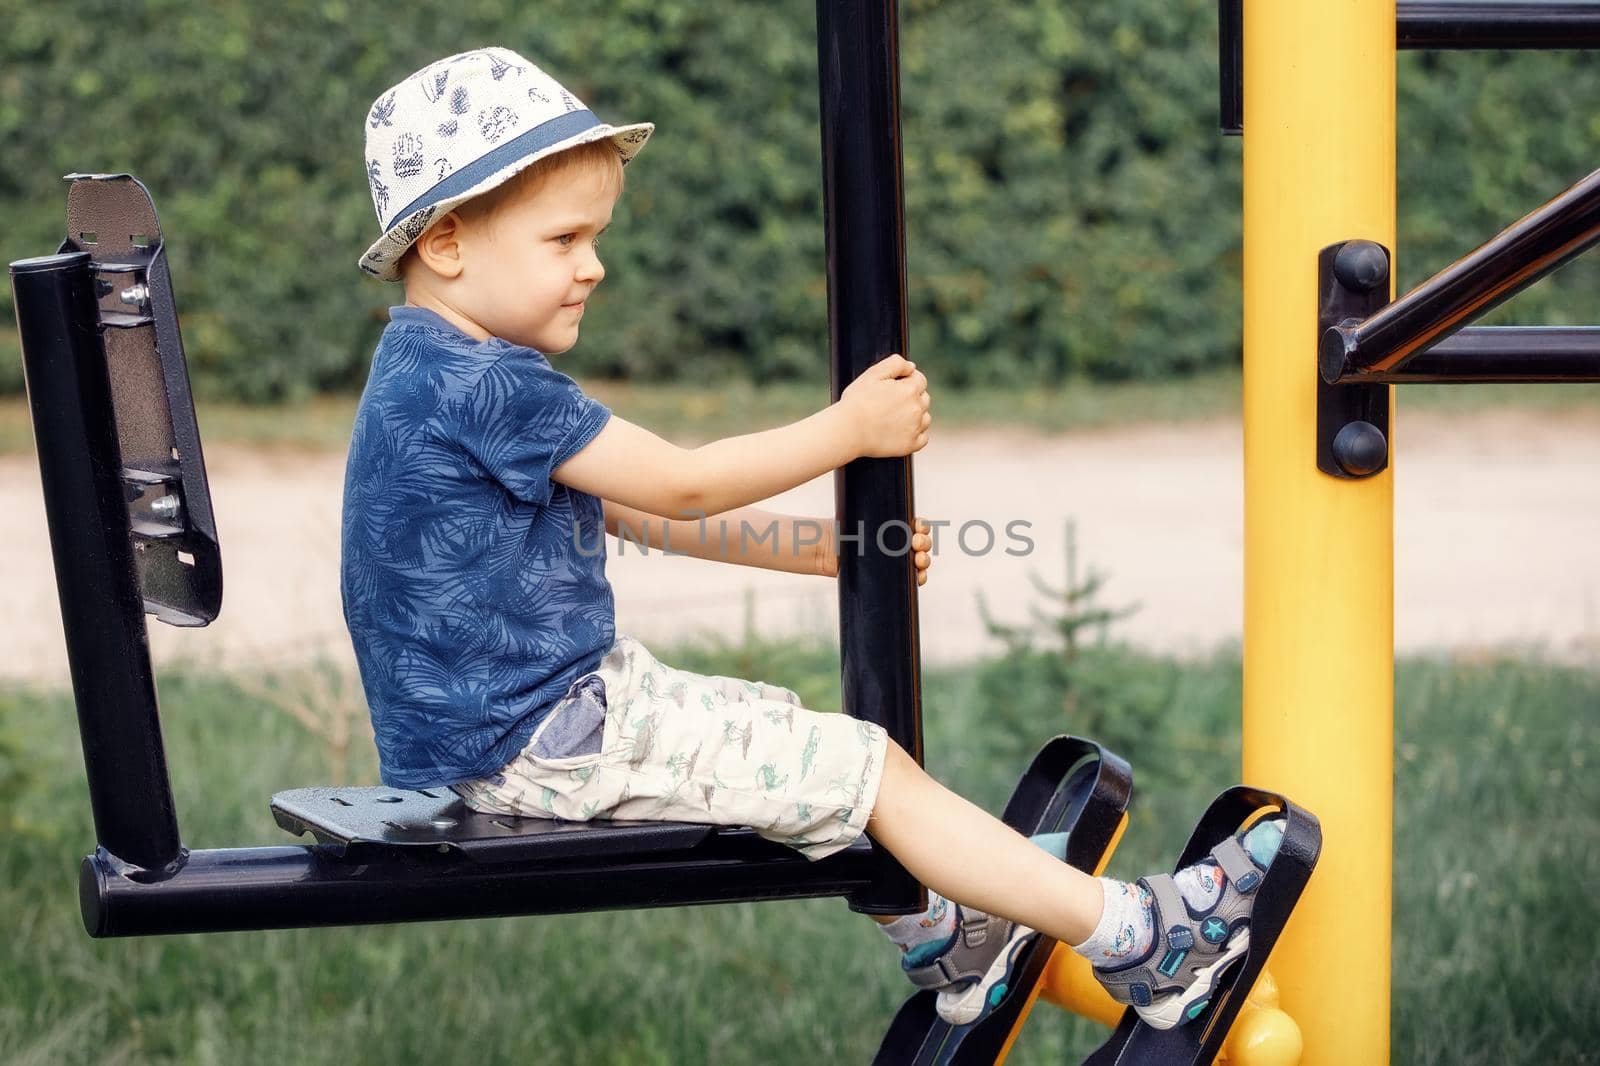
(888, 407)
(921, 551)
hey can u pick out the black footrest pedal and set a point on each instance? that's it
(1198, 1042)
(1073, 786)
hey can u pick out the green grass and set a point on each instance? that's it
(1497, 844)
(690, 413)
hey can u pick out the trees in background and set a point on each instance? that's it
(1071, 208)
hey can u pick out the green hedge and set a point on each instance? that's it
(1071, 208)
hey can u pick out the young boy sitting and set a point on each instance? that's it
(480, 485)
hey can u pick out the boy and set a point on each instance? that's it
(478, 484)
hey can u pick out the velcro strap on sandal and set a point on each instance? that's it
(934, 975)
(1172, 917)
(1237, 864)
(974, 927)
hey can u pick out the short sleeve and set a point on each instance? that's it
(523, 419)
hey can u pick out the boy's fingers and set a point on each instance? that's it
(923, 559)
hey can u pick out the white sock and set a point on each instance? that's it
(934, 925)
(1126, 925)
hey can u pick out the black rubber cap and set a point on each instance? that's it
(59, 261)
(1361, 265)
(1360, 449)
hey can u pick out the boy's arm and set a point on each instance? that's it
(750, 536)
(884, 412)
(747, 536)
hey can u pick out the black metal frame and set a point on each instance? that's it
(124, 484)
(1199, 1042)
(1537, 244)
(1365, 343)
(132, 532)
(1073, 786)
(1428, 25)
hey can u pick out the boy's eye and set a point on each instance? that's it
(566, 239)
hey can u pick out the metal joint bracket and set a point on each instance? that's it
(1352, 419)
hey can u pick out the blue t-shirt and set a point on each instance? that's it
(473, 585)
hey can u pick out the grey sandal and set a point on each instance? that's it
(1173, 982)
(973, 973)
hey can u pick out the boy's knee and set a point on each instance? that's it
(900, 772)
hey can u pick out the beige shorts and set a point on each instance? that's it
(676, 746)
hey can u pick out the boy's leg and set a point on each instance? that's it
(916, 819)
(966, 854)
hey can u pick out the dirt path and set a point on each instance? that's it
(1497, 541)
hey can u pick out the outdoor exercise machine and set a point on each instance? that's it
(132, 532)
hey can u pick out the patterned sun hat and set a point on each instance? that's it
(459, 127)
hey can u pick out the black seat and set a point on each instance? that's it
(439, 819)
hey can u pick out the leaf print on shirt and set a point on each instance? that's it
(466, 620)
(767, 777)
(781, 717)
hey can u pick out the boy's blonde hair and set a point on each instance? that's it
(596, 157)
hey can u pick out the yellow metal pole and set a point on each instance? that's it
(1319, 551)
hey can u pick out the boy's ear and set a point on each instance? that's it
(439, 247)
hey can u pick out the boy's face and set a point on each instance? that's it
(529, 268)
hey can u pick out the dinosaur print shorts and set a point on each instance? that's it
(640, 740)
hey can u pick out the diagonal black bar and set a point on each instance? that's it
(1501, 354)
(1526, 25)
(1503, 266)
(858, 59)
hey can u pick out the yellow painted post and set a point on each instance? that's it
(1319, 551)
